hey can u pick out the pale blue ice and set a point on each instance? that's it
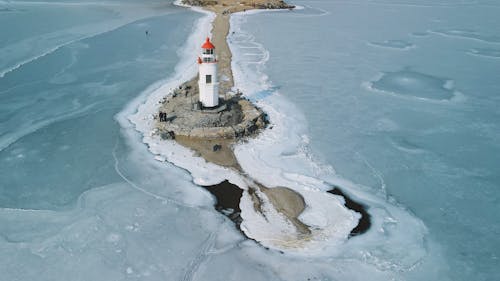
(421, 124)
(82, 199)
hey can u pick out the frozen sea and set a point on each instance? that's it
(395, 102)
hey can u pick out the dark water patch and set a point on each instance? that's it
(228, 197)
(364, 222)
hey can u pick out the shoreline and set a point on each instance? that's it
(261, 222)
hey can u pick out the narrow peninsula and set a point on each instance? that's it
(212, 128)
(208, 115)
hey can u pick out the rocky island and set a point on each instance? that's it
(209, 131)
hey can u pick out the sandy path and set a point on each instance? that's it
(219, 34)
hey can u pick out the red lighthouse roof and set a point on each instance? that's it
(208, 44)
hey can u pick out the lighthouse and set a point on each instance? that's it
(208, 84)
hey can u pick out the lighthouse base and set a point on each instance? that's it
(221, 106)
(183, 115)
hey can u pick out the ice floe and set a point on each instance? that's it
(415, 84)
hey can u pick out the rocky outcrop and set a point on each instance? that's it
(236, 117)
(201, 3)
(274, 5)
(256, 4)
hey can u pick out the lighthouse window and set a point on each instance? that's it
(209, 79)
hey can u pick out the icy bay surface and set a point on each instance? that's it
(56, 112)
(81, 198)
(432, 144)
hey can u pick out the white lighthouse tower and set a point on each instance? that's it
(208, 84)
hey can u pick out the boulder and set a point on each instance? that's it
(168, 135)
